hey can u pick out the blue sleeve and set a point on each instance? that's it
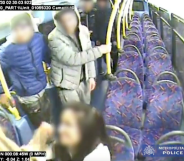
(3, 58)
(46, 52)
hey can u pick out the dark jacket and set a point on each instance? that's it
(24, 65)
(88, 20)
(102, 17)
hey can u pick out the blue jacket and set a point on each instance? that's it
(24, 65)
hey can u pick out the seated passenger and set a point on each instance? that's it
(88, 15)
(72, 57)
(81, 136)
(22, 58)
(102, 17)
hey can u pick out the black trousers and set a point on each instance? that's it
(38, 111)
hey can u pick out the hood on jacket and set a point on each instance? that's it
(56, 13)
(33, 22)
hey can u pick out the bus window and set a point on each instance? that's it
(167, 35)
(179, 56)
(138, 6)
(178, 24)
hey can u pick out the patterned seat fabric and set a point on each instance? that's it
(135, 136)
(164, 106)
(156, 64)
(134, 42)
(153, 43)
(8, 128)
(123, 107)
(133, 61)
(164, 112)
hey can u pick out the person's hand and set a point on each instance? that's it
(4, 100)
(98, 43)
(90, 32)
(47, 128)
(92, 84)
(104, 49)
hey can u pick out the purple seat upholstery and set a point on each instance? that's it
(156, 64)
(134, 42)
(152, 44)
(164, 112)
(8, 128)
(133, 61)
(123, 108)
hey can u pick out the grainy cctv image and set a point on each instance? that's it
(85, 80)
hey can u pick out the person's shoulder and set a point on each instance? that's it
(84, 30)
(53, 34)
(100, 153)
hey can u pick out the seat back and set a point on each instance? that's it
(156, 64)
(133, 61)
(124, 102)
(152, 44)
(134, 42)
(165, 105)
(7, 126)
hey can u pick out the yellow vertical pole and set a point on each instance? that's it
(13, 110)
(109, 33)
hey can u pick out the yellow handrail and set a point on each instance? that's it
(119, 24)
(124, 17)
(13, 110)
(130, 10)
(109, 33)
(46, 70)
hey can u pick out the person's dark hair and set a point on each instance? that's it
(93, 131)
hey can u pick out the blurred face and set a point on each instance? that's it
(102, 3)
(87, 5)
(69, 131)
(69, 22)
(23, 33)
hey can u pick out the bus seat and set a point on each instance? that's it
(22, 127)
(150, 44)
(123, 108)
(122, 146)
(156, 64)
(164, 111)
(136, 43)
(8, 128)
(133, 61)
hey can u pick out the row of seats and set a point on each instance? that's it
(138, 102)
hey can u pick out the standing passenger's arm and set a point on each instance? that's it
(66, 55)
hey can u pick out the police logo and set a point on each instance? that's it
(149, 150)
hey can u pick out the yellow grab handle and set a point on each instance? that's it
(46, 70)
(127, 21)
(13, 110)
(109, 33)
(124, 18)
(130, 11)
(119, 24)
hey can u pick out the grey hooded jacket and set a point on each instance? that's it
(67, 59)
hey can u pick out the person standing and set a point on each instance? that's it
(72, 57)
(22, 59)
(87, 15)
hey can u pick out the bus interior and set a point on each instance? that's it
(142, 102)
